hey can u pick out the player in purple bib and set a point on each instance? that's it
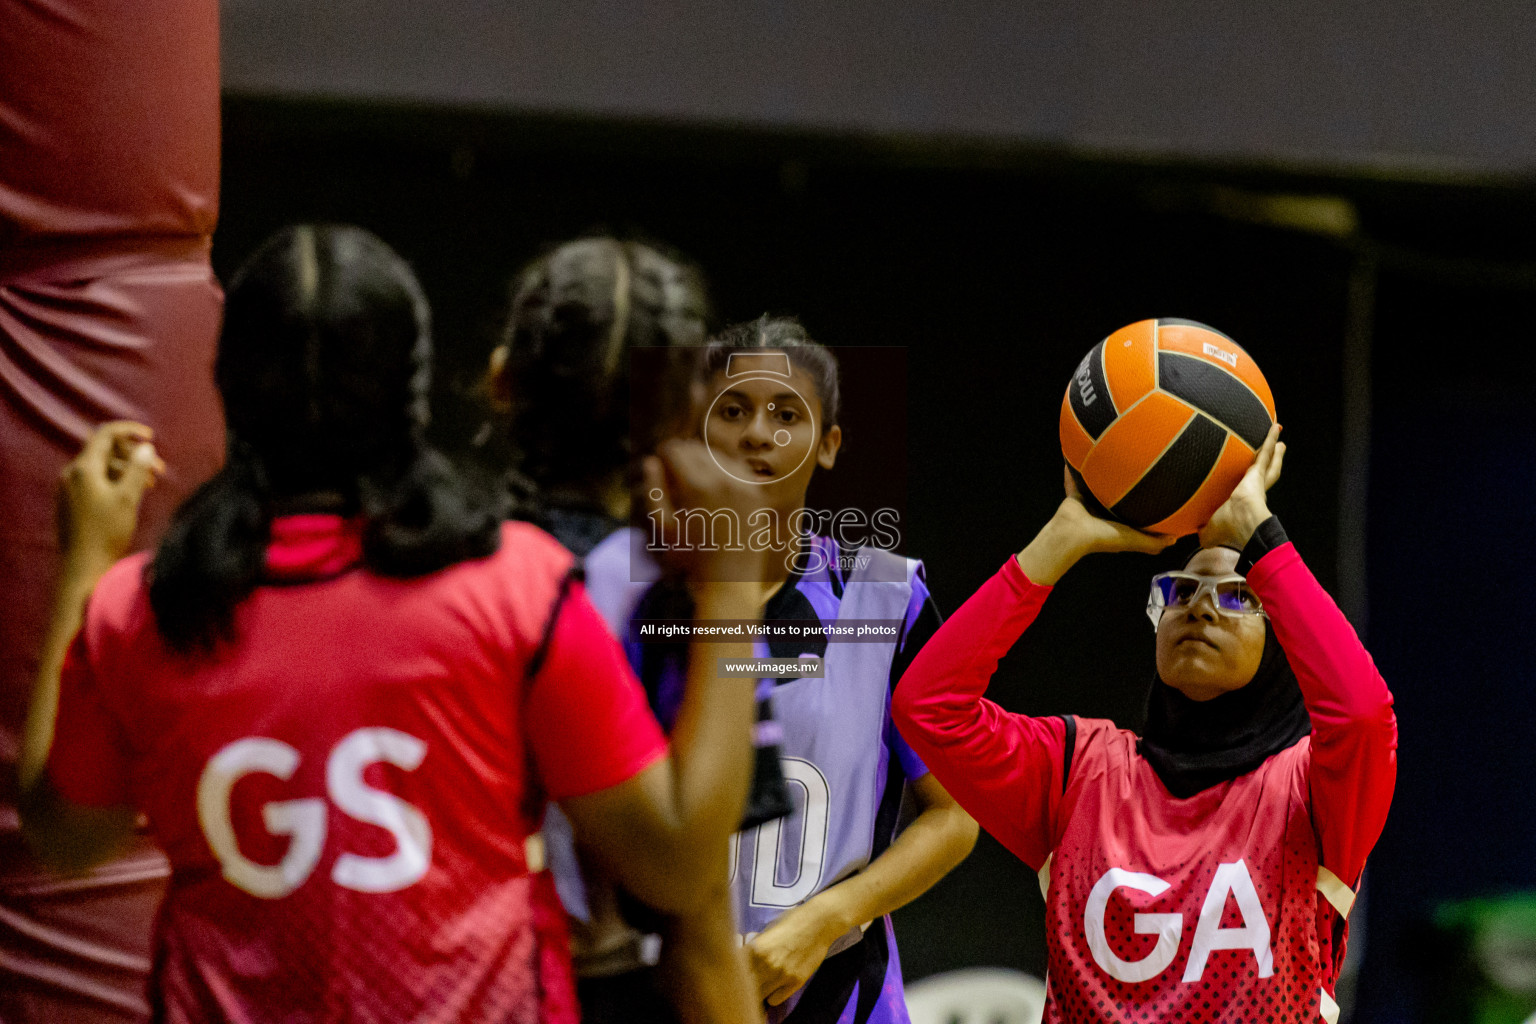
(813, 890)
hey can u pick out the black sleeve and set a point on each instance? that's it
(1070, 721)
(1266, 538)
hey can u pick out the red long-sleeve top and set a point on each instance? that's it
(1230, 905)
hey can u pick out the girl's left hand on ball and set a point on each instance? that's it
(1234, 522)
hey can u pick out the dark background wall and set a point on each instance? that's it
(1452, 512)
(996, 267)
(1405, 83)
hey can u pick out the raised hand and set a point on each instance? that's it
(1234, 522)
(1096, 534)
(101, 489)
(98, 508)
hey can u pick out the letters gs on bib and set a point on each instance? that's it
(304, 821)
(1230, 880)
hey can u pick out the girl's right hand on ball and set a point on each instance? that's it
(1096, 534)
(1074, 532)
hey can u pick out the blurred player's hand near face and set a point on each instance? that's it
(680, 477)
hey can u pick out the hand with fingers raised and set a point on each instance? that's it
(100, 492)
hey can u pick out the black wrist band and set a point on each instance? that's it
(1266, 538)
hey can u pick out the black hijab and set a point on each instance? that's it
(1195, 744)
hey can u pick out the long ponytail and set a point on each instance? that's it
(429, 516)
(213, 554)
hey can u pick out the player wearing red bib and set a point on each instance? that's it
(343, 689)
(1205, 870)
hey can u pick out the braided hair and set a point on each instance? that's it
(575, 313)
(324, 366)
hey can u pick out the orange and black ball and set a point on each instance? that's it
(1161, 420)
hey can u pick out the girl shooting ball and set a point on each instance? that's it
(1203, 871)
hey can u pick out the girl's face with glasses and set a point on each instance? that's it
(1202, 651)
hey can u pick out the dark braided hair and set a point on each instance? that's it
(324, 366)
(576, 312)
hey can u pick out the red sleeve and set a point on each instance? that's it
(1004, 769)
(1354, 730)
(588, 722)
(88, 762)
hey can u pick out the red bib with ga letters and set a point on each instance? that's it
(1208, 909)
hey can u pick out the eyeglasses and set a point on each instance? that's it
(1230, 594)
